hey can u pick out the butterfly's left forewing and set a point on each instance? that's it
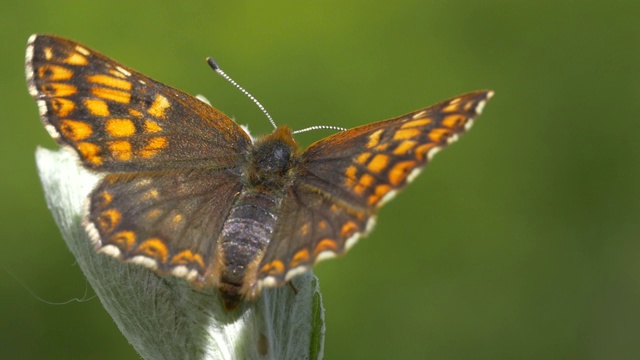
(344, 178)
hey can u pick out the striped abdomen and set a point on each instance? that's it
(245, 235)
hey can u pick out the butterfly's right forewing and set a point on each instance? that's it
(119, 120)
(170, 223)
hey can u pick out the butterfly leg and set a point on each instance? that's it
(293, 287)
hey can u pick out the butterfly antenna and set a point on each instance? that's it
(217, 69)
(320, 127)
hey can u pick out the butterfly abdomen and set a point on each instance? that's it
(249, 228)
(245, 235)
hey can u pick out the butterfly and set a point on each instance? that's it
(187, 192)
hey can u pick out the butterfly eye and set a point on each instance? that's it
(273, 157)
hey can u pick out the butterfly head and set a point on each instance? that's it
(273, 156)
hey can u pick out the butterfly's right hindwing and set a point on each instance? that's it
(169, 223)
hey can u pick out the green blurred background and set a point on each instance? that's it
(520, 241)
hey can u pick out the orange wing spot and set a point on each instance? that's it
(51, 72)
(304, 229)
(150, 195)
(160, 104)
(103, 200)
(154, 248)
(400, 171)
(108, 220)
(404, 147)
(111, 94)
(348, 229)
(378, 163)
(301, 257)
(62, 107)
(75, 130)
(154, 145)
(325, 245)
(454, 121)
(468, 106)
(120, 150)
(177, 218)
(188, 257)
(439, 134)
(451, 107)
(58, 90)
(406, 134)
(96, 107)
(366, 180)
(89, 152)
(322, 224)
(274, 268)
(334, 208)
(362, 158)
(350, 174)
(134, 112)
(151, 127)
(120, 127)
(76, 59)
(109, 81)
(382, 147)
(416, 123)
(124, 239)
(381, 190)
(48, 53)
(152, 214)
(422, 150)
(117, 73)
(374, 139)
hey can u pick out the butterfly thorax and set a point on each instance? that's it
(248, 229)
(272, 160)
